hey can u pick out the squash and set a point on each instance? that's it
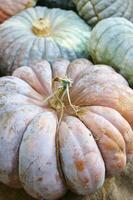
(94, 11)
(65, 4)
(62, 125)
(9, 8)
(112, 44)
(42, 33)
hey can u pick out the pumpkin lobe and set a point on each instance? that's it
(41, 27)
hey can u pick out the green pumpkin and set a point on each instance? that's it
(41, 33)
(65, 4)
(111, 43)
(95, 10)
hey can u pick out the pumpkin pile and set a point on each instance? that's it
(66, 122)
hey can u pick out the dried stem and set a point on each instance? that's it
(56, 99)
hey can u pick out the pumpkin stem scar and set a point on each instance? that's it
(41, 27)
(55, 100)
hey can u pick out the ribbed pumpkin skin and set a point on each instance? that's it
(65, 4)
(112, 44)
(45, 153)
(95, 10)
(68, 38)
(10, 8)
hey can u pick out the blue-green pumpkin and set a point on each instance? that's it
(94, 11)
(111, 43)
(41, 33)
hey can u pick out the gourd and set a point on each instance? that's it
(63, 125)
(65, 4)
(112, 44)
(94, 11)
(42, 33)
(9, 8)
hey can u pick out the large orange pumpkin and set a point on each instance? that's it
(64, 126)
(9, 8)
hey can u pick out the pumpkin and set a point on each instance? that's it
(9, 8)
(42, 33)
(63, 125)
(111, 43)
(65, 4)
(93, 11)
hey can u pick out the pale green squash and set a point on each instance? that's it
(112, 43)
(42, 33)
(95, 10)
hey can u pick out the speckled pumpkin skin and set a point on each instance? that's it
(112, 44)
(68, 38)
(46, 154)
(10, 8)
(95, 10)
(64, 4)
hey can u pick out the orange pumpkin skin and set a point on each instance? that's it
(10, 8)
(59, 145)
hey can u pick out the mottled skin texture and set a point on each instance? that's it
(67, 38)
(117, 121)
(10, 8)
(94, 11)
(111, 43)
(77, 145)
(47, 148)
(13, 124)
(37, 161)
(65, 4)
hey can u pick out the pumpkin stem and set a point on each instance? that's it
(56, 99)
(75, 108)
(66, 84)
(41, 27)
